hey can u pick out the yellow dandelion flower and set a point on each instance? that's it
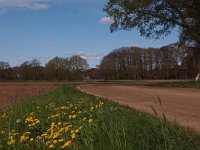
(31, 139)
(27, 133)
(22, 138)
(38, 137)
(72, 131)
(10, 137)
(67, 144)
(90, 120)
(73, 116)
(37, 121)
(61, 130)
(51, 146)
(55, 141)
(73, 135)
(32, 113)
(77, 130)
(70, 116)
(66, 129)
(47, 143)
(56, 136)
(11, 142)
(80, 127)
(13, 131)
(61, 140)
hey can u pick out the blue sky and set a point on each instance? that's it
(43, 29)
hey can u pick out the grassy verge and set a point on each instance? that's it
(191, 84)
(66, 118)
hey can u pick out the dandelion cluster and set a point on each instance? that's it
(53, 126)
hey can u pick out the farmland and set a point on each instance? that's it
(67, 118)
(12, 92)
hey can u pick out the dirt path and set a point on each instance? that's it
(180, 104)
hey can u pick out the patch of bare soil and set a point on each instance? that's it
(13, 92)
(178, 104)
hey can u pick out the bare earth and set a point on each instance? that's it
(178, 104)
(13, 92)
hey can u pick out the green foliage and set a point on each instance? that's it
(157, 18)
(191, 84)
(113, 127)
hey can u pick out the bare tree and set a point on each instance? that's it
(77, 66)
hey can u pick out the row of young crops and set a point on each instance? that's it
(68, 119)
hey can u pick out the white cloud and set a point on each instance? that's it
(134, 45)
(88, 56)
(41, 57)
(34, 5)
(106, 20)
(39, 6)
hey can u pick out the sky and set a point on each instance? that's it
(44, 29)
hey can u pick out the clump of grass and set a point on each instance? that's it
(190, 84)
(66, 118)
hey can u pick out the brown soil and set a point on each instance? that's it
(178, 104)
(13, 92)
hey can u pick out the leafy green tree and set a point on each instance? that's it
(157, 18)
(154, 18)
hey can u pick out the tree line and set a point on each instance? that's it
(127, 63)
(168, 62)
(58, 68)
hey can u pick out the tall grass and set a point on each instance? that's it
(103, 125)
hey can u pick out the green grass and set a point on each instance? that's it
(191, 84)
(113, 127)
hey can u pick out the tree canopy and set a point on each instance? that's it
(157, 18)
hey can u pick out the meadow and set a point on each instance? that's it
(66, 118)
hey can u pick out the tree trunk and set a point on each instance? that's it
(198, 76)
